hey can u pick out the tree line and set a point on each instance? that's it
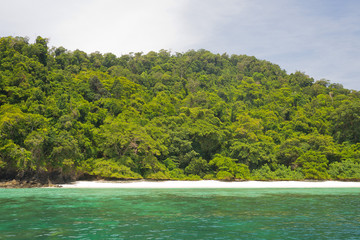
(161, 115)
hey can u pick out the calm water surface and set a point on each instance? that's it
(179, 214)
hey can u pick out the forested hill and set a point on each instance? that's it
(193, 115)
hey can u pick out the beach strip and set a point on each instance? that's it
(211, 184)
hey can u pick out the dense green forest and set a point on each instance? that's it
(65, 115)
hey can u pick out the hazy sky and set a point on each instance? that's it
(318, 37)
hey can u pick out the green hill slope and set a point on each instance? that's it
(195, 115)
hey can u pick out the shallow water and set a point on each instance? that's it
(180, 213)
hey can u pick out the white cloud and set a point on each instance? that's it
(125, 26)
(141, 25)
(34, 18)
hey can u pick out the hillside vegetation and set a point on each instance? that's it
(194, 115)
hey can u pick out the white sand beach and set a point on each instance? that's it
(211, 184)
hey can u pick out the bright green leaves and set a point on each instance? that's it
(41, 49)
(290, 150)
(122, 87)
(207, 139)
(12, 121)
(197, 166)
(350, 152)
(300, 79)
(13, 157)
(313, 165)
(347, 122)
(345, 170)
(161, 105)
(349, 167)
(110, 169)
(281, 172)
(228, 169)
(253, 154)
(16, 125)
(36, 146)
(65, 151)
(247, 127)
(118, 139)
(166, 115)
(36, 142)
(96, 85)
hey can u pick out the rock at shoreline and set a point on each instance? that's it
(24, 184)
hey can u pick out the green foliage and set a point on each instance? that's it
(177, 174)
(164, 115)
(197, 166)
(192, 177)
(111, 169)
(347, 122)
(281, 172)
(345, 170)
(263, 173)
(14, 157)
(243, 172)
(314, 165)
(227, 168)
(285, 173)
(224, 175)
(158, 176)
(350, 152)
(209, 176)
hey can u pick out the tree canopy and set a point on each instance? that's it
(163, 115)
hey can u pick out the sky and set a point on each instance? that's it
(318, 37)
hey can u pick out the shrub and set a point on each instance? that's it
(197, 166)
(224, 175)
(112, 169)
(345, 170)
(285, 173)
(192, 177)
(313, 165)
(263, 173)
(243, 172)
(177, 174)
(209, 176)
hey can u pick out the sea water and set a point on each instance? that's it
(180, 213)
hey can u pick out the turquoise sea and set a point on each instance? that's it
(180, 213)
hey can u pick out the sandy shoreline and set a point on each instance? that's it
(211, 184)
